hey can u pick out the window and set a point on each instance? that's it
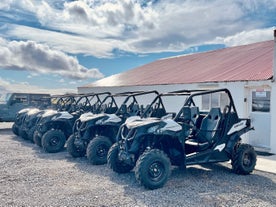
(214, 100)
(206, 102)
(40, 100)
(260, 101)
(20, 98)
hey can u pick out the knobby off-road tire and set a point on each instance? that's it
(37, 139)
(153, 169)
(15, 129)
(244, 159)
(72, 149)
(30, 133)
(97, 150)
(53, 141)
(114, 163)
(23, 134)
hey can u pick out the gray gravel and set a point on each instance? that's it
(31, 177)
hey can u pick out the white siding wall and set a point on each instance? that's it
(273, 119)
(273, 103)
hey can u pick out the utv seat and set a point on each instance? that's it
(207, 134)
(188, 119)
(122, 110)
(134, 110)
(158, 112)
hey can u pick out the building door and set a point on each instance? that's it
(260, 115)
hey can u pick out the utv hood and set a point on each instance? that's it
(49, 112)
(33, 111)
(25, 110)
(134, 123)
(62, 115)
(89, 116)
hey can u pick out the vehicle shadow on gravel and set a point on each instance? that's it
(206, 185)
(37, 149)
(5, 131)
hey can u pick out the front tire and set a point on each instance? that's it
(114, 163)
(15, 129)
(97, 150)
(244, 159)
(153, 169)
(74, 150)
(37, 138)
(53, 141)
(30, 133)
(23, 134)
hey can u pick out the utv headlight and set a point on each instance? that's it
(99, 122)
(153, 129)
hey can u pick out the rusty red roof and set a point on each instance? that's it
(241, 63)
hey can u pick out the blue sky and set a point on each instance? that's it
(57, 45)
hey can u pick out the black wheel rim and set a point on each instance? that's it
(247, 160)
(102, 151)
(54, 141)
(156, 171)
(78, 146)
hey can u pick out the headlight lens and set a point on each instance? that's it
(153, 129)
(100, 121)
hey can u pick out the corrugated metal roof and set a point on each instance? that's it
(249, 62)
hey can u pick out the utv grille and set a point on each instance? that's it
(124, 132)
(77, 125)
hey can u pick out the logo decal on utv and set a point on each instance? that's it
(237, 127)
(220, 147)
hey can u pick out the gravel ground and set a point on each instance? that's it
(31, 177)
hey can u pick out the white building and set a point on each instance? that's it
(247, 71)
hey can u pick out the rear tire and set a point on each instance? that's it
(53, 141)
(72, 149)
(153, 169)
(244, 159)
(114, 163)
(97, 150)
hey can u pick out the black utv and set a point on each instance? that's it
(57, 127)
(107, 128)
(207, 129)
(19, 117)
(37, 103)
(27, 119)
(60, 103)
(95, 133)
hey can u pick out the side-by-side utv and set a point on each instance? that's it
(95, 133)
(53, 130)
(207, 129)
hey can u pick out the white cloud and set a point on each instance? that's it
(245, 37)
(13, 86)
(39, 58)
(97, 27)
(167, 25)
(5, 4)
(163, 26)
(64, 42)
